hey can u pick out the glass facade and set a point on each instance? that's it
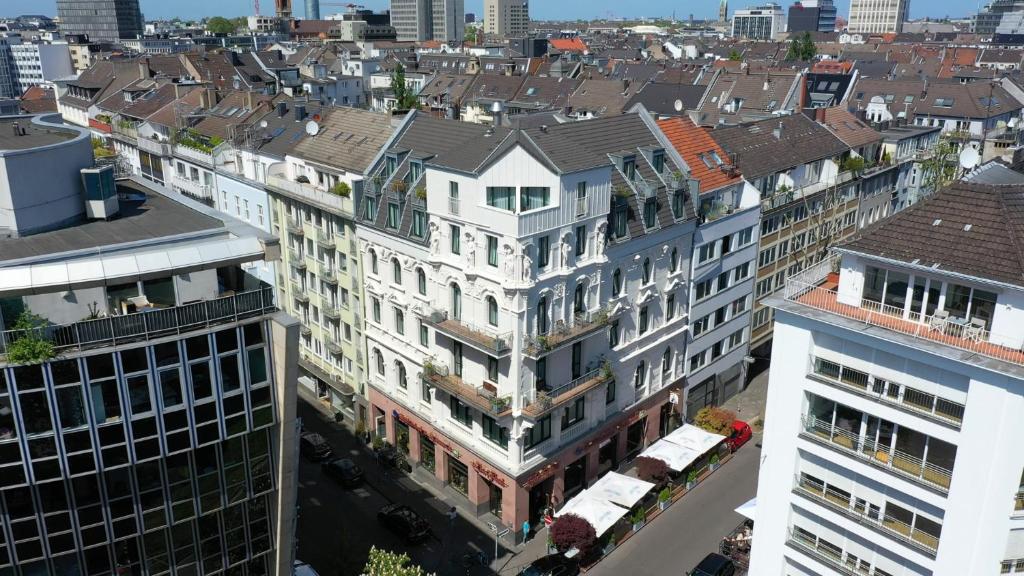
(102, 20)
(151, 459)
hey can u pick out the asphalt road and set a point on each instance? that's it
(337, 526)
(677, 540)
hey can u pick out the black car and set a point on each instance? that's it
(405, 522)
(714, 565)
(344, 471)
(314, 447)
(553, 565)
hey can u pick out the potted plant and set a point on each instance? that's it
(551, 546)
(714, 461)
(399, 186)
(622, 191)
(30, 346)
(341, 189)
(664, 498)
(542, 342)
(361, 431)
(691, 479)
(421, 192)
(571, 531)
(638, 519)
(610, 545)
(377, 442)
(606, 370)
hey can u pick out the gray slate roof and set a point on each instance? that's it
(349, 138)
(759, 153)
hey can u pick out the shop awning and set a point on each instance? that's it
(692, 437)
(670, 453)
(748, 508)
(601, 514)
(620, 489)
(683, 446)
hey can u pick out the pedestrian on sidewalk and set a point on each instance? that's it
(526, 531)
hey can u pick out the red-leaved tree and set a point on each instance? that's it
(651, 469)
(572, 531)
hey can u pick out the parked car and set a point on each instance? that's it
(344, 471)
(739, 436)
(553, 565)
(714, 565)
(314, 447)
(405, 522)
(303, 569)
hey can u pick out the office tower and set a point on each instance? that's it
(39, 63)
(312, 9)
(812, 16)
(146, 382)
(418, 20)
(723, 11)
(102, 20)
(759, 22)
(507, 18)
(877, 16)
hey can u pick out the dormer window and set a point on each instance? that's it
(415, 169)
(629, 167)
(390, 164)
(658, 161)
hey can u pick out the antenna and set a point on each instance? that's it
(312, 128)
(969, 158)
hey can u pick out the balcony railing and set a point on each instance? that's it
(126, 128)
(879, 455)
(491, 340)
(206, 158)
(582, 325)
(324, 238)
(192, 188)
(295, 226)
(778, 199)
(327, 273)
(333, 346)
(299, 292)
(824, 553)
(842, 503)
(806, 288)
(481, 398)
(277, 179)
(546, 399)
(154, 323)
(154, 146)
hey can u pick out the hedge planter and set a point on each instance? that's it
(638, 525)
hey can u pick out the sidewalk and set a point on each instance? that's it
(750, 403)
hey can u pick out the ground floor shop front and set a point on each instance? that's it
(482, 487)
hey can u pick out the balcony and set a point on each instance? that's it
(582, 325)
(278, 181)
(544, 400)
(296, 259)
(481, 398)
(154, 146)
(842, 503)
(324, 238)
(295, 227)
(778, 199)
(126, 129)
(331, 311)
(197, 155)
(192, 188)
(154, 323)
(824, 552)
(876, 454)
(327, 273)
(483, 339)
(816, 288)
(299, 291)
(333, 346)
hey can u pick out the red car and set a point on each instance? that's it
(741, 432)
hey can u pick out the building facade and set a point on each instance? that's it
(759, 22)
(418, 20)
(812, 16)
(507, 18)
(101, 20)
(877, 16)
(37, 63)
(892, 401)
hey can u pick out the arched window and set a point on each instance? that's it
(396, 271)
(373, 262)
(647, 270)
(542, 315)
(456, 302)
(666, 361)
(578, 305)
(616, 282)
(492, 311)
(673, 263)
(380, 361)
(403, 382)
(421, 281)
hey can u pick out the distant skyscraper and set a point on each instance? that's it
(417, 20)
(102, 20)
(759, 22)
(312, 9)
(507, 18)
(878, 16)
(812, 16)
(283, 8)
(987, 20)
(723, 11)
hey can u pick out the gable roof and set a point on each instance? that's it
(695, 145)
(567, 44)
(848, 128)
(661, 98)
(349, 138)
(760, 153)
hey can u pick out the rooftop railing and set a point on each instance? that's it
(152, 323)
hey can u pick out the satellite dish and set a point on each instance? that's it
(678, 105)
(312, 128)
(969, 158)
(263, 123)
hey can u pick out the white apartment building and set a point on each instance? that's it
(507, 18)
(877, 16)
(418, 20)
(894, 401)
(39, 63)
(524, 293)
(759, 22)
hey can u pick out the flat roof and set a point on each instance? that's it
(147, 216)
(36, 135)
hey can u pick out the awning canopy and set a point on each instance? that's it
(601, 514)
(689, 436)
(620, 489)
(748, 508)
(683, 446)
(674, 455)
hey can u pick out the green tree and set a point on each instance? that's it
(384, 563)
(405, 98)
(808, 50)
(940, 168)
(30, 345)
(794, 51)
(220, 25)
(735, 56)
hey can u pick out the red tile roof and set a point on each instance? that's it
(692, 141)
(567, 44)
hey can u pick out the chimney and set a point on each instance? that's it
(17, 131)
(144, 68)
(777, 132)
(924, 89)
(282, 109)
(300, 112)
(819, 115)
(249, 100)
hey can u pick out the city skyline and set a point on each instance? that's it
(542, 11)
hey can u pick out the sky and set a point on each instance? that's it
(540, 9)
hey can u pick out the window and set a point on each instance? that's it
(581, 240)
(453, 198)
(541, 376)
(616, 282)
(542, 315)
(455, 231)
(647, 270)
(540, 432)
(670, 307)
(494, 433)
(673, 263)
(643, 321)
(543, 252)
(421, 281)
(373, 262)
(375, 307)
(492, 251)
(620, 221)
(492, 369)
(650, 213)
(399, 321)
(424, 334)
(609, 392)
(492, 311)
(666, 361)
(456, 302)
(500, 197)
(707, 252)
(574, 413)
(403, 381)
(425, 392)
(613, 334)
(393, 215)
(457, 358)
(419, 223)
(531, 198)
(379, 359)
(640, 374)
(396, 271)
(460, 412)
(678, 203)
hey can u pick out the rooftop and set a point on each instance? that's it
(35, 135)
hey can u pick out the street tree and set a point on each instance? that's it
(404, 97)
(220, 25)
(385, 563)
